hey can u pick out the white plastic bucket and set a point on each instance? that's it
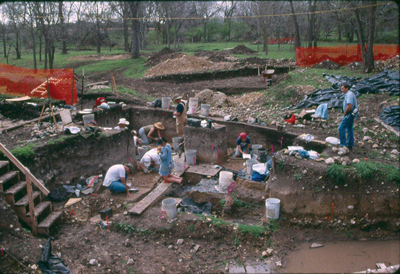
(169, 208)
(272, 208)
(193, 104)
(255, 149)
(165, 102)
(249, 164)
(65, 116)
(191, 157)
(142, 150)
(88, 118)
(176, 141)
(205, 109)
(225, 180)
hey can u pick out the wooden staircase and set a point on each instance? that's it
(27, 197)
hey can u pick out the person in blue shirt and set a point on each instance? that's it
(243, 144)
(346, 126)
(164, 150)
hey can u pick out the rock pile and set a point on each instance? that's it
(327, 65)
(215, 99)
(241, 49)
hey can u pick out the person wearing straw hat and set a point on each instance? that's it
(146, 132)
(180, 114)
(116, 178)
(122, 124)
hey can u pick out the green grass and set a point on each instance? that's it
(61, 139)
(254, 230)
(298, 176)
(130, 229)
(336, 172)
(190, 228)
(389, 172)
(23, 153)
(239, 203)
(366, 169)
(124, 90)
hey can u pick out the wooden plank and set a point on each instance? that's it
(203, 169)
(19, 99)
(25, 123)
(72, 201)
(149, 199)
(32, 218)
(388, 127)
(24, 170)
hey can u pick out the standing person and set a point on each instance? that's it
(122, 124)
(116, 178)
(350, 112)
(146, 132)
(243, 144)
(164, 150)
(180, 113)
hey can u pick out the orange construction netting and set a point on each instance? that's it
(57, 84)
(343, 55)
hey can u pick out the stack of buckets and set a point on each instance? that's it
(225, 180)
(193, 104)
(165, 102)
(205, 109)
(191, 157)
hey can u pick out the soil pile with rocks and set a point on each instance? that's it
(155, 59)
(354, 65)
(185, 64)
(215, 56)
(327, 65)
(390, 64)
(215, 99)
(241, 49)
(255, 61)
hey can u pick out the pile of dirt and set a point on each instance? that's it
(155, 59)
(100, 57)
(390, 64)
(185, 64)
(215, 99)
(215, 56)
(301, 90)
(354, 65)
(241, 49)
(327, 65)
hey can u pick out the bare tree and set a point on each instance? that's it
(229, 9)
(207, 10)
(14, 11)
(134, 9)
(29, 18)
(365, 34)
(297, 42)
(62, 28)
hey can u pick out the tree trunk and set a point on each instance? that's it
(167, 33)
(51, 49)
(266, 41)
(296, 27)
(46, 48)
(143, 34)
(205, 29)
(40, 48)
(17, 45)
(62, 26)
(134, 8)
(98, 42)
(4, 42)
(125, 26)
(33, 45)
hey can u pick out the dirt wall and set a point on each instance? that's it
(68, 159)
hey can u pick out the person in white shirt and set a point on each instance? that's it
(116, 178)
(150, 159)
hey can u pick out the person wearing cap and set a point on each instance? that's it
(180, 114)
(243, 144)
(146, 132)
(122, 124)
(116, 178)
(99, 101)
(150, 159)
(165, 152)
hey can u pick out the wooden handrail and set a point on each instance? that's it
(24, 170)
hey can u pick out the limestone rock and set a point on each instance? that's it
(93, 262)
(130, 261)
(316, 245)
(355, 161)
(375, 146)
(395, 152)
(267, 252)
(365, 130)
(329, 161)
(179, 241)
(286, 151)
(361, 144)
(343, 151)
(366, 138)
(334, 149)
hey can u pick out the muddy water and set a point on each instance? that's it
(342, 256)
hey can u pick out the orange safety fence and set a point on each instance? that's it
(283, 40)
(58, 84)
(342, 54)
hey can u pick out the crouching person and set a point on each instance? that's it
(116, 178)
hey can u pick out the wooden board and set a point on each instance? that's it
(149, 199)
(388, 127)
(19, 99)
(72, 201)
(203, 169)
(97, 84)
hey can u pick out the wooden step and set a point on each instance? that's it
(44, 226)
(40, 208)
(25, 200)
(7, 180)
(4, 167)
(15, 192)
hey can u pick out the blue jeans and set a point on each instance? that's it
(346, 126)
(322, 111)
(143, 136)
(118, 186)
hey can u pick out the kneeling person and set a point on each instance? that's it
(116, 178)
(150, 159)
